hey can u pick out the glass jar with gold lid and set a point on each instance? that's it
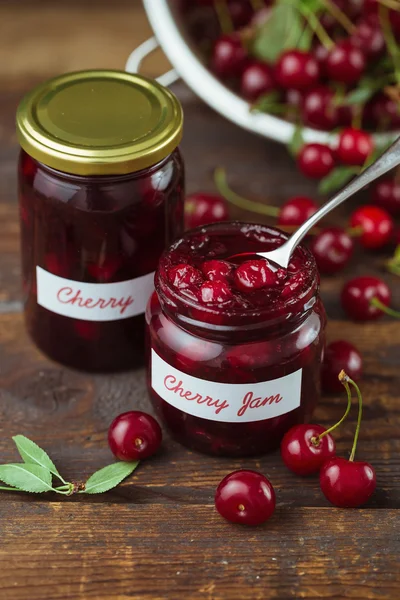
(101, 190)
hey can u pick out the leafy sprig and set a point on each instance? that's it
(36, 473)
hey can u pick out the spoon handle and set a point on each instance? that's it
(387, 161)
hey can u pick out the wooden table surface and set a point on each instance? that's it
(158, 536)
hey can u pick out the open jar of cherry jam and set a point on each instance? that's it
(234, 344)
(101, 190)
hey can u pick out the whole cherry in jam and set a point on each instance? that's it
(215, 292)
(304, 451)
(134, 435)
(315, 160)
(386, 194)
(340, 355)
(363, 297)
(297, 70)
(375, 223)
(228, 57)
(217, 270)
(257, 79)
(354, 146)
(184, 276)
(245, 497)
(296, 210)
(347, 484)
(202, 209)
(332, 248)
(253, 275)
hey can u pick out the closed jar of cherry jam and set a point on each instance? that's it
(101, 191)
(234, 344)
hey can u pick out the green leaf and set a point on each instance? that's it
(357, 96)
(281, 31)
(337, 179)
(31, 453)
(108, 477)
(269, 103)
(306, 40)
(29, 478)
(297, 141)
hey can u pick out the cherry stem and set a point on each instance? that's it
(386, 309)
(257, 5)
(345, 380)
(316, 26)
(224, 16)
(393, 4)
(243, 203)
(339, 15)
(355, 231)
(393, 266)
(390, 40)
(320, 436)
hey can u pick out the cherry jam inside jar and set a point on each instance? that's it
(96, 213)
(234, 345)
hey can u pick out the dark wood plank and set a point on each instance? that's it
(159, 552)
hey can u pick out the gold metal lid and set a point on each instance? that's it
(99, 123)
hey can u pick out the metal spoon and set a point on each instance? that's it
(387, 161)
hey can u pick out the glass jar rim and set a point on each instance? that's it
(179, 306)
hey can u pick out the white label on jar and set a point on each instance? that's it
(229, 402)
(93, 301)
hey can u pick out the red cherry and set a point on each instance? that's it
(386, 193)
(257, 79)
(318, 108)
(245, 497)
(340, 355)
(296, 210)
(376, 225)
(56, 264)
(354, 146)
(383, 112)
(357, 295)
(347, 484)
(215, 292)
(104, 271)
(303, 452)
(328, 21)
(293, 98)
(228, 56)
(217, 270)
(293, 285)
(202, 209)
(241, 12)
(320, 53)
(297, 70)
(87, 330)
(254, 275)
(184, 276)
(134, 435)
(368, 37)
(332, 249)
(345, 63)
(316, 160)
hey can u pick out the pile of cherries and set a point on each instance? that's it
(248, 497)
(349, 47)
